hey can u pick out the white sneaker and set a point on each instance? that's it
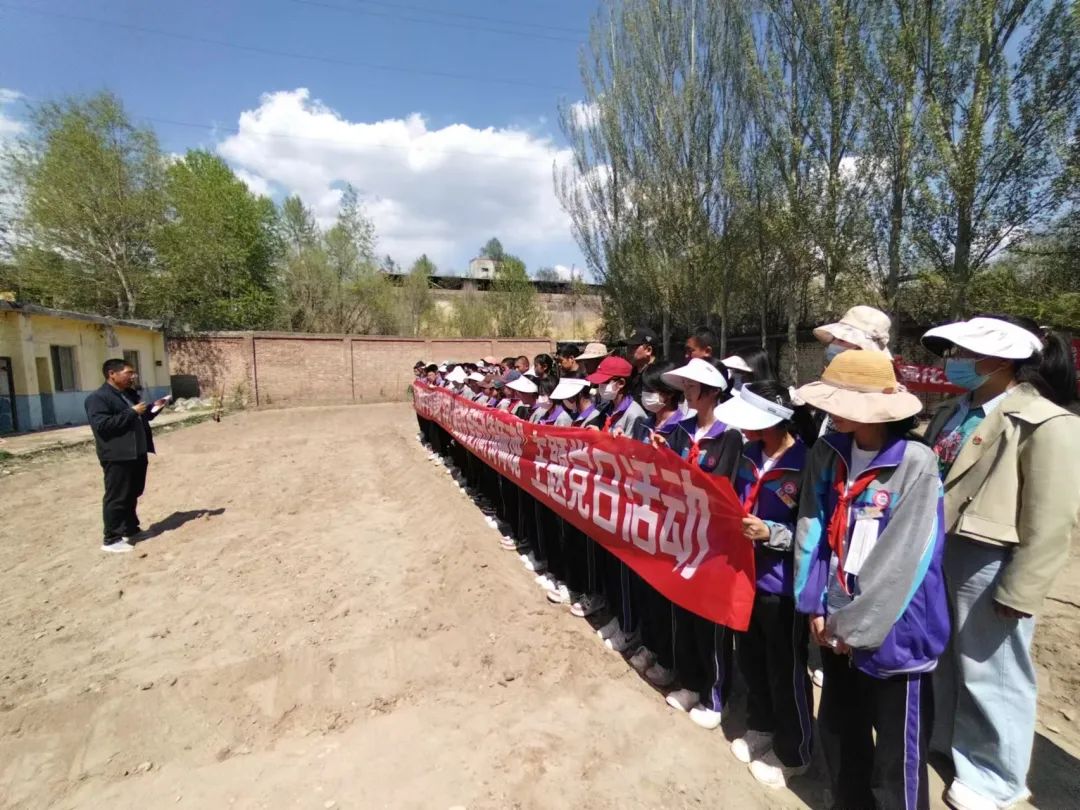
(117, 547)
(559, 596)
(492, 522)
(642, 659)
(772, 773)
(961, 797)
(608, 630)
(818, 677)
(546, 582)
(706, 718)
(683, 700)
(508, 543)
(532, 564)
(587, 605)
(621, 642)
(660, 676)
(751, 745)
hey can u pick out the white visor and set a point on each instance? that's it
(568, 388)
(457, 375)
(986, 336)
(522, 385)
(747, 411)
(476, 376)
(736, 363)
(697, 370)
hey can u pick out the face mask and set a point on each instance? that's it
(544, 402)
(832, 350)
(652, 402)
(608, 392)
(961, 372)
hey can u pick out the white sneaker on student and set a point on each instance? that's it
(773, 773)
(508, 543)
(621, 641)
(492, 522)
(559, 596)
(608, 630)
(587, 604)
(706, 718)
(751, 745)
(117, 547)
(960, 797)
(546, 582)
(660, 676)
(683, 700)
(642, 659)
(532, 564)
(818, 677)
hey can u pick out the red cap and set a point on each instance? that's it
(611, 367)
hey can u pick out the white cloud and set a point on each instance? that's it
(255, 183)
(568, 273)
(584, 114)
(9, 126)
(443, 191)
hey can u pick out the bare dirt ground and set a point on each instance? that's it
(322, 620)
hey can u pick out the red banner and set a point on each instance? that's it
(924, 379)
(679, 528)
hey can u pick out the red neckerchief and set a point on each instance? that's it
(695, 448)
(838, 523)
(619, 411)
(750, 501)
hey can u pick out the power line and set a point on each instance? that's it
(439, 23)
(331, 60)
(479, 18)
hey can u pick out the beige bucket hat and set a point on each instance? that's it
(862, 326)
(862, 387)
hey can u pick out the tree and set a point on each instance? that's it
(471, 316)
(217, 249)
(299, 230)
(416, 301)
(547, 275)
(998, 116)
(493, 250)
(90, 185)
(515, 307)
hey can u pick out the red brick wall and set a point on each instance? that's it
(272, 369)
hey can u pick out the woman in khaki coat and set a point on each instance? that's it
(1009, 456)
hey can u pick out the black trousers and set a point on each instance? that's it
(656, 617)
(579, 556)
(888, 773)
(704, 653)
(772, 657)
(124, 484)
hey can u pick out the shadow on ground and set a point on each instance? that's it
(176, 520)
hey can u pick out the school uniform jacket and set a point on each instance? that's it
(778, 507)
(718, 450)
(643, 430)
(894, 616)
(625, 417)
(590, 417)
(1016, 484)
(558, 417)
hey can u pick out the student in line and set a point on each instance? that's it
(703, 654)
(642, 346)
(772, 652)
(702, 343)
(1009, 454)
(868, 550)
(749, 365)
(568, 361)
(589, 360)
(862, 327)
(522, 365)
(544, 367)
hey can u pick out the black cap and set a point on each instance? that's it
(643, 337)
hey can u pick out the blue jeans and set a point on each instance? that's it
(985, 681)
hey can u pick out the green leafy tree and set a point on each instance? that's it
(299, 231)
(90, 186)
(471, 316)
(217, 249)
(493, 250)
(415, 295)
(516, 310)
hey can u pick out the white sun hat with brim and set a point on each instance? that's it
(736, 363)
(862, 387)
(861, 326)
(523, 385)
(569, 387)
(442, 368)
(476, 376)
(698, 370)
(748, 411)
(457, 375)
(988, 337)
(593, 351)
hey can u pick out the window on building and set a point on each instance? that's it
(63, 364)
(131, 357)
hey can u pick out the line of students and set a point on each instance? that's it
(860, 545)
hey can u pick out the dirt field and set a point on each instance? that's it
(322, 620)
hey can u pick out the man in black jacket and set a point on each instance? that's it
(121, 426)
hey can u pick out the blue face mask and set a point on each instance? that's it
(961, 372)
(832, 350)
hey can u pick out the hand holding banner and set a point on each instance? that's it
(679, 528)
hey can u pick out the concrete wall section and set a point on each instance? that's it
(282, 368)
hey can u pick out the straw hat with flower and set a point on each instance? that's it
(861, 386)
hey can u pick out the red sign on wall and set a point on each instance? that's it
(921, 379)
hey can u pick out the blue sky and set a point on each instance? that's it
(443, 162)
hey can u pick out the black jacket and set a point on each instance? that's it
(119, 432)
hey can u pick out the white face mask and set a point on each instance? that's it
(608, 392)
(652, 401)
(543, 404)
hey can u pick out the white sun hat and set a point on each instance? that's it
(569, 387)
(861, 326)
(457, 375)
(736, 363)
(697, 370)
(989, 337)
(749, 411)
(523, 385)
(476, 376)
(442, 368)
